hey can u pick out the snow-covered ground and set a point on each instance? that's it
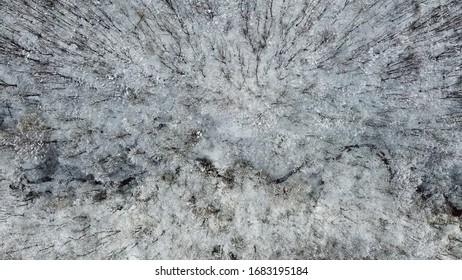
(231, 129)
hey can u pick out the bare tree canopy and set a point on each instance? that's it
(202, 129)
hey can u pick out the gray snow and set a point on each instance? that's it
(208, 129)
